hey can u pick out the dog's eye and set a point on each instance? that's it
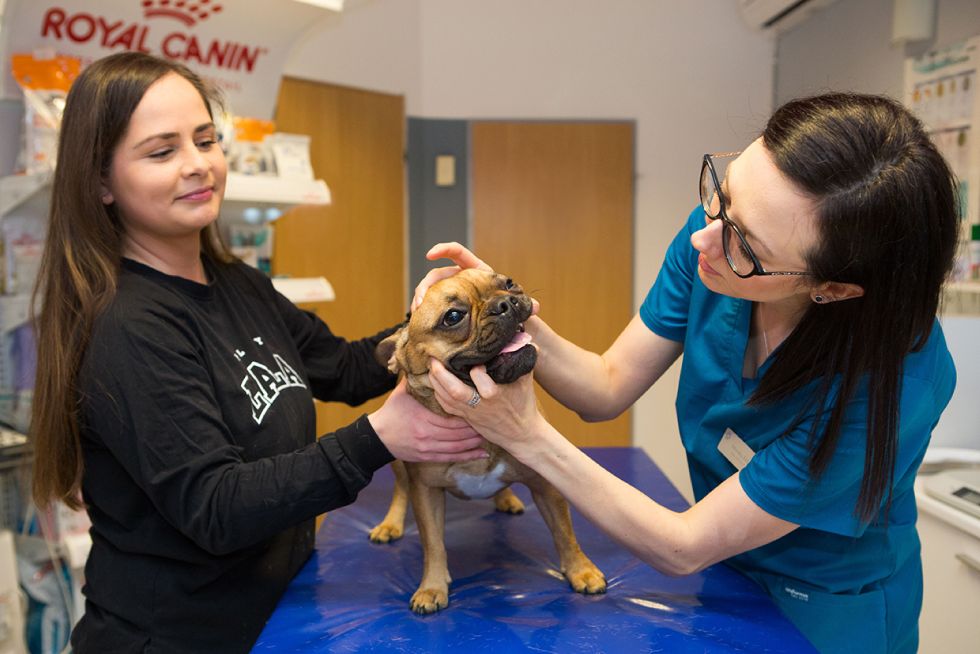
(509, 284)
(453, 317)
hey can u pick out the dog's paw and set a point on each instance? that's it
(587, 579)
(508, 503)
(429, 600)
(385, 533)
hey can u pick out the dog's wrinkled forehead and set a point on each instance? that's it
(469, 289)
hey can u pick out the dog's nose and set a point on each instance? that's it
(504, 305)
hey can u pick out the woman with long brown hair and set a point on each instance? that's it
(174, 394)
(803, 294)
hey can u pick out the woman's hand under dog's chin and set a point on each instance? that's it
(413, 433)
(506, 415)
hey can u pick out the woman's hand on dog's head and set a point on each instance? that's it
(463, 258)
(458, 254)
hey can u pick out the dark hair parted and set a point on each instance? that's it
(82, 255)
(887, 220)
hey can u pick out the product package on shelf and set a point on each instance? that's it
(45, 82)
(248, 152)
(51, 558)
(22, 243)
(18, 361)
(12, 631)
(254, 147)
(253, 245)
(292, 155)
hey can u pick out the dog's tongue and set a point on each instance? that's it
(520, 340)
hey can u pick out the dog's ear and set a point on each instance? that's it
(386, 350)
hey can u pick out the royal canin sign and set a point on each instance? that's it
(241, 45)
(113, 34)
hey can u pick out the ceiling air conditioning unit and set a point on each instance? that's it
(779, 15)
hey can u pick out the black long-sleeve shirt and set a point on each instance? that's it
(202, 469)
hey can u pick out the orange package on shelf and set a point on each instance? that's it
(249, 153)
(45, 82)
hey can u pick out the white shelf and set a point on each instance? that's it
(264, 192)
(303, 290)
(241, 191)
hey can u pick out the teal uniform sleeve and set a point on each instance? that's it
(778, 479)
(666, 307)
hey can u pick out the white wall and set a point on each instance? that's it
(372, 44)
(959, 425)
(691, 75)
(862, 57)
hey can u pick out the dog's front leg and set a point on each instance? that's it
(578, 569)
(429, 506)
(393, 525)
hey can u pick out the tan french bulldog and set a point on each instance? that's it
(475, 317)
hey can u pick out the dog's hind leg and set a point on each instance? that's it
(429, 506)
(507, 502)
(393, 525)
(579, 570)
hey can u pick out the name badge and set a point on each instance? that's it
(735, 450)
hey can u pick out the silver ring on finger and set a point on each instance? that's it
(473, 401)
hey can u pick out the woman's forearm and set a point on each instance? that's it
(656, 535)
(572, 375)
(600, 387)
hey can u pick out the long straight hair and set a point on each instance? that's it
(82, 254)
(887, 220)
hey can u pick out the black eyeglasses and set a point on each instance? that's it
(741, 258)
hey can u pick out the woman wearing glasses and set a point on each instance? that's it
(802, 294)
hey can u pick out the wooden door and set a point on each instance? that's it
(552, 207)
(358, 241)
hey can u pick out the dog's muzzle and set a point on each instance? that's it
(512, 359)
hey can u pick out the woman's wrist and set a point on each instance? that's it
(541, 335)
(535, 444)
(536, 327)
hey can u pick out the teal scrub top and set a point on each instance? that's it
(847, 585)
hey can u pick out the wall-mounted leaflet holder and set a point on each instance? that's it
(941, 89)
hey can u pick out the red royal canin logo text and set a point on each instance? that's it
(111, 34)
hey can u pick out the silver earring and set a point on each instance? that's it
(819, 299)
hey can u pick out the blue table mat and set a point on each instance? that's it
(507, 594)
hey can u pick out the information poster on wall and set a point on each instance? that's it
(941, 88)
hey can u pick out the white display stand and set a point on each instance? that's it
(304, 290)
